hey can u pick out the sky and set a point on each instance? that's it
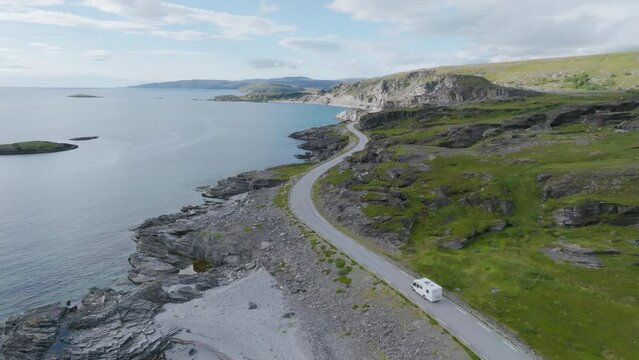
(94, 43)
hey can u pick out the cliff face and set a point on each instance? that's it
(413, 89)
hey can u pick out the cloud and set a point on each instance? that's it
(146, 17)
(97, 55)
(45, 47)
(265, 63)
(31, 2)
(321, 44)
(9, 53)
(495, 29)
(174, 52)
(15, 68)
(267, 7)
(225, 25)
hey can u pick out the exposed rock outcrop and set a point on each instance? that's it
(321, 142)
(413, 89)
(242, 183)
(596, 212)
(576, 255)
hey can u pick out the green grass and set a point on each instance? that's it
(201, 266)
(285, 172)
(561, 311)
(596, 72)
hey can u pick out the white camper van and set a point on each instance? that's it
(428, 289)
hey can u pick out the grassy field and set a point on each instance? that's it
(596, 72)
(562, 311)
(605, 72)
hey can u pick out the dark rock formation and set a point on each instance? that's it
(242, 183)
(30, 335)
(524, 121)
(595, 212)
(464, 136)
(321, 142)
(558, 186)
(604, 114)
(84, 138)
(490, 204)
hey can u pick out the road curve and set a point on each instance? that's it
(474, 333)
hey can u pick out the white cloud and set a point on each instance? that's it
(320, 44)
(497, 29)
(225, 25)
(31, 2)
(174, 52)
(9, 53)
(145, 17)
(266, 63)
(268, 7)
(97, 55)
(45, 47)
(14, 68)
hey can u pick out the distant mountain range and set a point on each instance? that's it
(300, 82)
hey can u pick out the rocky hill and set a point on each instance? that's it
(415, 88)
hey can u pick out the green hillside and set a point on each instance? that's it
(617, 71)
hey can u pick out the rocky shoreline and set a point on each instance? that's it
(184, 259)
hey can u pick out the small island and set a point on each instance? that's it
(84, 138)
(86, 96)
(34, 147)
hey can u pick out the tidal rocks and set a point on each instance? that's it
(84, 96)
(321, 142)
(84, 138)
(595, 212)
(242, 183)
(29, 336)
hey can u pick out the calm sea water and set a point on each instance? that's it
(64, 217)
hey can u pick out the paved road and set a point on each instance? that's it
(484, 341)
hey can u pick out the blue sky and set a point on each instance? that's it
(123, 42)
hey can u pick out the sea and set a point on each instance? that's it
(65, 218)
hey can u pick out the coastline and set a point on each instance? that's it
(227, 239)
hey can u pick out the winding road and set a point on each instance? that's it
(477, 335)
